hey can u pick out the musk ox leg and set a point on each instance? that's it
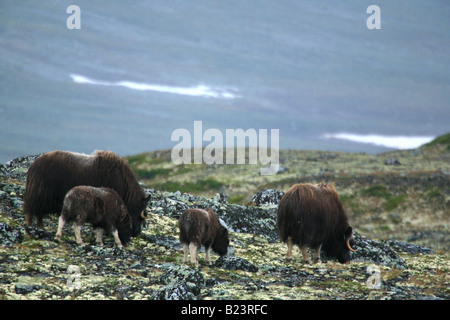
(115, 233)
(290, 244)
(61, 223)
(29, 219)
(186, 252)
(316, 258)
(207, 256)
(305, 254)
(193, 249)
(77, 230)
(39, 223)
(99, 236)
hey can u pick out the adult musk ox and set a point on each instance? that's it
(312, 216)
(101, 207)
(53, 174)
(202, 227)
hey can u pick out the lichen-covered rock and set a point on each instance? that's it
(192, 279)
(174, 291)
(25, 289)
(401, 246)
(10, 235)
(165, 241)
(235, 263)
(18, 167)
(256, 220)
(11, 197)
(267, 196)
(369, 250)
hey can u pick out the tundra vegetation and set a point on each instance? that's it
(399, 212)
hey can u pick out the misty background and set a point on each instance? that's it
(138, 70)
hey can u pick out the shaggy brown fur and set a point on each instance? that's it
(312, 216)
(54, 173)
(101, 207)
(202, 227)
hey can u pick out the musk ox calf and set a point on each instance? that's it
(202, 227)
(312, 216)
(101, 207)
(53, 174)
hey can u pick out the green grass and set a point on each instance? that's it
(444, 139)
(377, 191)
(238, 199)
(146, 174)
(190, 187)
(137, 159)
(394, 202)
(441, 140)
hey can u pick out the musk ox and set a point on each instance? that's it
(53, 174)
(101, 207)
(202, 227)
(312, 216)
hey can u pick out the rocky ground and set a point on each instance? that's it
(414, 265)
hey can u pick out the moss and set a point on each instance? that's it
(377, 191)
(444, 139)
(433, 193)
(137, 159)
(207, 184)
(394, 202)
(238, 199)
(148, 174)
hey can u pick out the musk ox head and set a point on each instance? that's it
(124, 226)
(138, 220)
(344, 244)
(221, 241)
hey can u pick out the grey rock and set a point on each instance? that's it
(221, 198)
(174, 291)
(18, 167)
(25, 289)
(192, 279)
(10, 235)
(392, 162)
(267, 196)
(235, 263)
(376, 252)
(168, 242)
(408, 247)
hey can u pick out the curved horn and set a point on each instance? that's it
(348, 245)
(143, 216)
